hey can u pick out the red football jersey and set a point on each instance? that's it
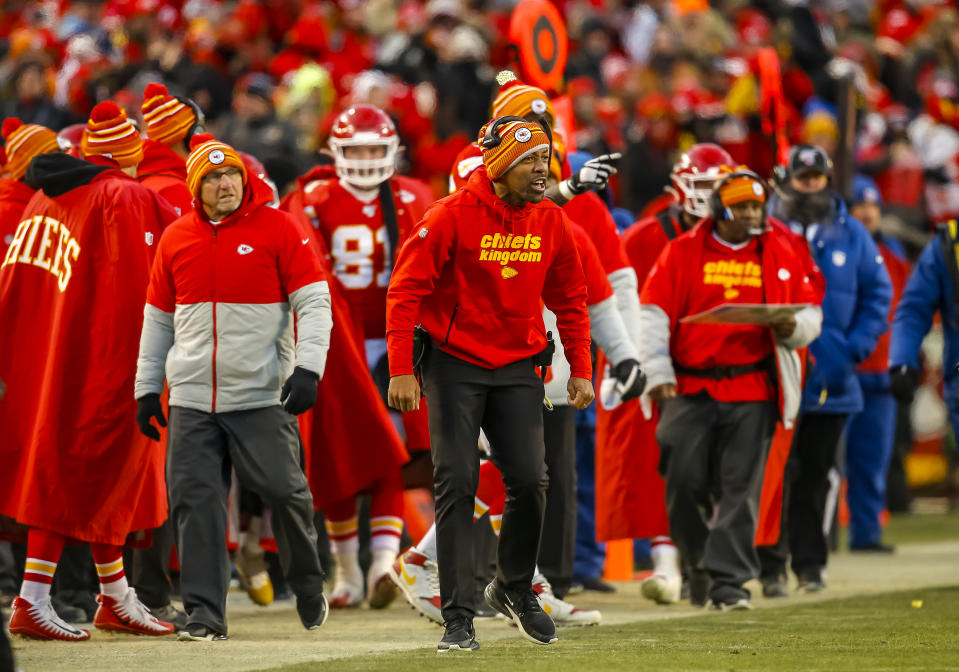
(358, 241)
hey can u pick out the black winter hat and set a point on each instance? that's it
(809, 159)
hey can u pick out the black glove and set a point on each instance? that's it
(903, 382)
(299, 391)
(149, 407)
(594, 174)
(631, 378)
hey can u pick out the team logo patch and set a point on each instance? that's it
(369, 210)
(244, 249)
(423, 232)
(784, 274)
(148, 237)
(509, 272)
(838, 258)
(523, 135)
(406, 197)
(808, 156)
(538, 106)
(216, 157)
(757, 189)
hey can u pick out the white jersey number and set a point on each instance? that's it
(352, 248)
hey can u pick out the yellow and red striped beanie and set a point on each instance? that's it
(740, 188)
(208, 154)
(167, 118)
(111, 135)
(23, 142)
(519, 139)
(519, 99)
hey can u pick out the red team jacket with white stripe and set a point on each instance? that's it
(217, 320)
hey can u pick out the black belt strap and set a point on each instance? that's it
(388, 206)
(721, 372)
(666, 222)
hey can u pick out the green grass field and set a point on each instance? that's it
(890, 631)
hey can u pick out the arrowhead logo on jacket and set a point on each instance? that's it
(244, 249)
(369, 210)
(148, 237)
(508, 272)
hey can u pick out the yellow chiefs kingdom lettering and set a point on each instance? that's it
(46, 243)
(513, 247)
(732, 274)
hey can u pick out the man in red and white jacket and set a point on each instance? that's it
(717, 384)
(218, 325)
(473, 274)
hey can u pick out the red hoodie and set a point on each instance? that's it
(473, 272)
(14, 196)
(164, 171)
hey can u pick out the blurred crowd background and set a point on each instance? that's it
(647, 79)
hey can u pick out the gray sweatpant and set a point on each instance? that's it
(713, 457)
(263, 446)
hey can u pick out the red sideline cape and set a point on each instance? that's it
(74, 461)
(349, 438)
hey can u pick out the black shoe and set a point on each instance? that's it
(699, 584)
(197, 632)
(774, 586)
(68, 612)
(459, 636)
(524, 610)
(878, 547)
(598, 585)
(811, 581)
(312, 610)
(170, 614)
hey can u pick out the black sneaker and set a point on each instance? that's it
(811, 581)
(524, 610)
(459, 636)
(170, 614)
(774, 586)
(197, 632)
(312, 610)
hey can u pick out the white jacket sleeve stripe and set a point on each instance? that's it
(314, 320)
(808, 326)
(609, 332)
(626, 290)
(654, 354)
(156, 339)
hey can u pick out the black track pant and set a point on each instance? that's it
(714, 449)
(507, 404)
(559, 529)
(262, 445)
(805, 490)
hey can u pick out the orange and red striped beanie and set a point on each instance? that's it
(740, 188)
(23, 142)
(519, 99)
(208, 154)
(519, 139)
(167, 118)
(111, 135)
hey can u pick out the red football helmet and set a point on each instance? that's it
(364, 126)
(695, 173)
(69, 139)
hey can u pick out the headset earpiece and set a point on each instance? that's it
(492, 137)
(199, 123)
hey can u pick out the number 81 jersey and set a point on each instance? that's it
(358, 240)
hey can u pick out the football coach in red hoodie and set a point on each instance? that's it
(473, 275)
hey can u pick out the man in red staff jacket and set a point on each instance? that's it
(717, 384)
(473, 274)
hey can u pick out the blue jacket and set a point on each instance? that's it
(855, 311)
(929, 290)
